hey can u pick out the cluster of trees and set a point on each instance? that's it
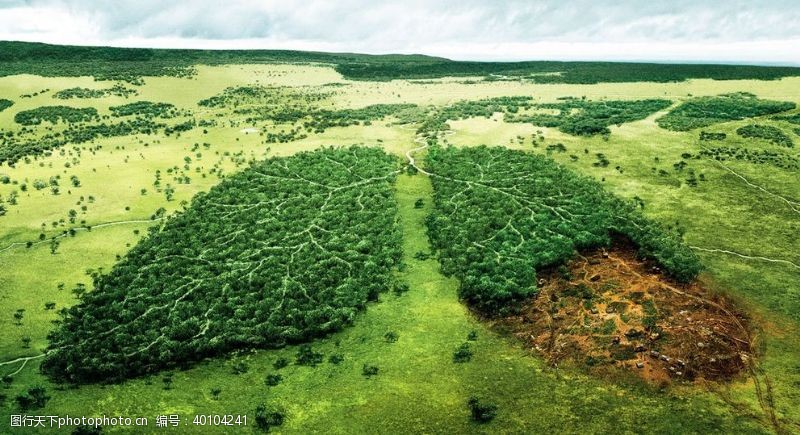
(792, 119)
(117, 90)
(775, 158)
(5, 104)
(284, 136)
(709, 136)
(705, 111)
(769, 133)
(559, 72)
(130, 64)
(146, 109)
(288, 106)
(437, 120)
(282, 252)
(324, 119)
(54, 114)
(501, 215)
(13, 148)
(581, 117)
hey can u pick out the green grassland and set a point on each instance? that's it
(741, 217)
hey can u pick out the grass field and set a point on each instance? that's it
(742, 219)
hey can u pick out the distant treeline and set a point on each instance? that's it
(131, 64)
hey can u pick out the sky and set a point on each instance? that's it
(728, 31)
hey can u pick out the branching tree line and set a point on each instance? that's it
(285, 251)
(501, 215)
(704, 111)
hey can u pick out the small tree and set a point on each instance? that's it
(481, 412)
(267, 418)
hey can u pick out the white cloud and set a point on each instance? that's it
(698, 30)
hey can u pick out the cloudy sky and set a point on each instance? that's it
(753, 31)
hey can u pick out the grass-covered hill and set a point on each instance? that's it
(132, 63)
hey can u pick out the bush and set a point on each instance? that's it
(369, 370)
(267, 418)
(273, 379)
(34, 398)
(462, 354)
(280, 363)
(480, 411)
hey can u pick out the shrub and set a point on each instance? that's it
(267, 418)
(480, 411)
(462, 354)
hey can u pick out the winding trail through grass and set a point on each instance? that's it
(747, 257)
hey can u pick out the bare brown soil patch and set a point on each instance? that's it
(609, 308)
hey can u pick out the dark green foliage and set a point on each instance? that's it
(581, 117)
(481, 411)
(130, 64)
(272, 379)
(778, 159)
(705, 111)
(283, 252)
(280, 363)
(5, 104)
(238, 368)
(391, 337)
(147, 109)
(284, 105)
(267, 418)
(307, 356)
(707, 136)
(336, 358)
(12, 150)
(116, 90)
(88, 430)
(324, 119)
(369, 370)
(561, 72)
(34, 398)
(54, 114)
(462, 354)
(400, 288)
(495, 226)
(180, 127)
(485, 108)
(767, 132)
(793, 118)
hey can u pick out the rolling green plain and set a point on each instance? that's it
(742, 219)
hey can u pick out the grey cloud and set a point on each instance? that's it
(411, 25)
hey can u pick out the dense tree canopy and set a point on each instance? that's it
(118, 90)
(147, 109)
(705, 111)
(5, 104)
(130, 64)
(767, 132)
(500, 215)
(287, 250)
(580, 117)
(54, 114)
